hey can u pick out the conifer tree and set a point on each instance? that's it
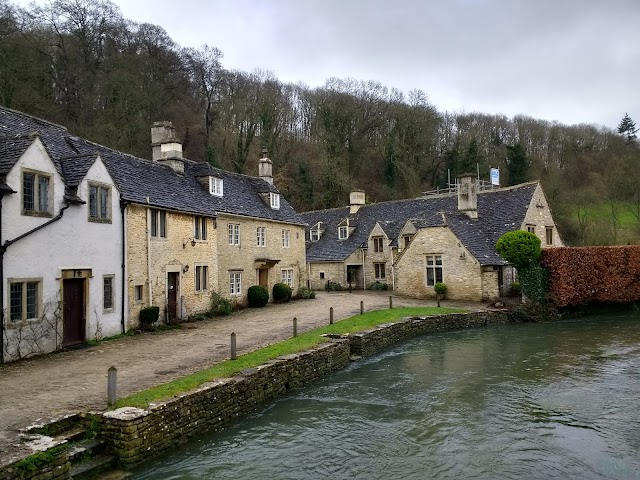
(627, 127)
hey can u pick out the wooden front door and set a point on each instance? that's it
(263, 277)
(172, 296)
(73, 314)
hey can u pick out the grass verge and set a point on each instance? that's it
(302, 342)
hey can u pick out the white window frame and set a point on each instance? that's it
(199, 228)
(380, 267)
(343, 232)
(24, 283)
(234, 233)
(201, 278)
(286, 276)
(235, 283)
(39, 209)
(101, 204)
(158, 225)
(314, 235)
(216, 186)
(261, 236)
(109, 302)
(433, 266)
(274, 200)
(286, 238)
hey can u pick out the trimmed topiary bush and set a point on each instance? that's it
(306, 292)
(378, 286)
(440, 288)
(149, 315)
(521, 249)
(335, 287)
(281, 292)
(257, 296)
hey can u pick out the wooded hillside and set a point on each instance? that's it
(79, 63)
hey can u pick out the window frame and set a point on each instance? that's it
(36, 200)
(261, 237)
(233, 230)
(274, 200)
(138, 288)
(200, 228)
(434, 267)
(235, 280)
(158, 227)
(343, 232)
(24, 300)
(531, 228)
(286, 276)
(111, 304)
(286, 238)
(548, 233)
(103, 212)
(216, 186)
(314, 233)
(378, 244)
(201, 278)
(380, 267)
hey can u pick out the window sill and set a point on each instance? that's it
(16, 324)
(159, 239)
(35, 213)
(108, 310)
(99, 220)
(201, 292)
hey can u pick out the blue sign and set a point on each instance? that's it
(495, 176)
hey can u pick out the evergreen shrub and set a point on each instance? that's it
(257, 296)
(281, 292)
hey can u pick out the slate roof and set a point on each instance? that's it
(11, 149)
(75, 168)
(499, 211)
(146, 182)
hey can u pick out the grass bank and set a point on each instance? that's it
(302, 342)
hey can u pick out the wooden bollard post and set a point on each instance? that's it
(295, 327)
(361, 307)
(438, 300)
(390, 301)
(233, 345)
(331, 316)
(112, 381)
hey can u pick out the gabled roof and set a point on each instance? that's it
(499, 211)
(75, 168)
(146, 182)
(11, 149)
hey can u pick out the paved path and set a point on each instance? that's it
(73, 381)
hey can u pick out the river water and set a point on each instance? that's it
(551, 400)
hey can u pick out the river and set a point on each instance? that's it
(547, 400)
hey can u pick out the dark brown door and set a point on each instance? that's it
(73, 322)
(172, 298)
(263, 277)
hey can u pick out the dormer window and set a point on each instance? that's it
(274, 199)
(215, 186)
(343, 232)
(314, 235)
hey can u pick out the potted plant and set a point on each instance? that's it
(440, 289)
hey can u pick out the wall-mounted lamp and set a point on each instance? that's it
(185, 269)
(192, 241)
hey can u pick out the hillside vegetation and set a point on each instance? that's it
(79, 63)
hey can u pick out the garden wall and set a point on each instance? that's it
(581, 275)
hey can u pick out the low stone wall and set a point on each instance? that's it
(383, 336)
(47, 465)
(135, 435)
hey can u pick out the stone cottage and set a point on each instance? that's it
(409, 245)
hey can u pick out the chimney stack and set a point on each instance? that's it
(265, 167)
(356, 200)
(468, 195)
(165, 147)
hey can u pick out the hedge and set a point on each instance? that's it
(580, 275)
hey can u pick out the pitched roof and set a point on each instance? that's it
(499, 211)
(146, 182)
(11, 149)
(75, 168)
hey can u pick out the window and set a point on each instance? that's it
(531, 229)
(322, 275)
(314, 235)
(275, 200)
(261, 237)
(202, 278)
(434, 269)
(158, 223)
(234, 234)
(138, 293)
(286, 236)
(200, 228)
(107, 292)
(99, 203)
(406, 240)
(286, 276)
(378, 244)
(215, 186)
(379, 271)
(35, 193)
(23, 300)
(342, 233)
(235, 283)
(549, 232)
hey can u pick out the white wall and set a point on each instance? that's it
(72, 243)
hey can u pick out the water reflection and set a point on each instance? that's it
(526, 401)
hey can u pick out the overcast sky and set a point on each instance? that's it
(575, 61)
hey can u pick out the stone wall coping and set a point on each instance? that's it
(126, 413)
